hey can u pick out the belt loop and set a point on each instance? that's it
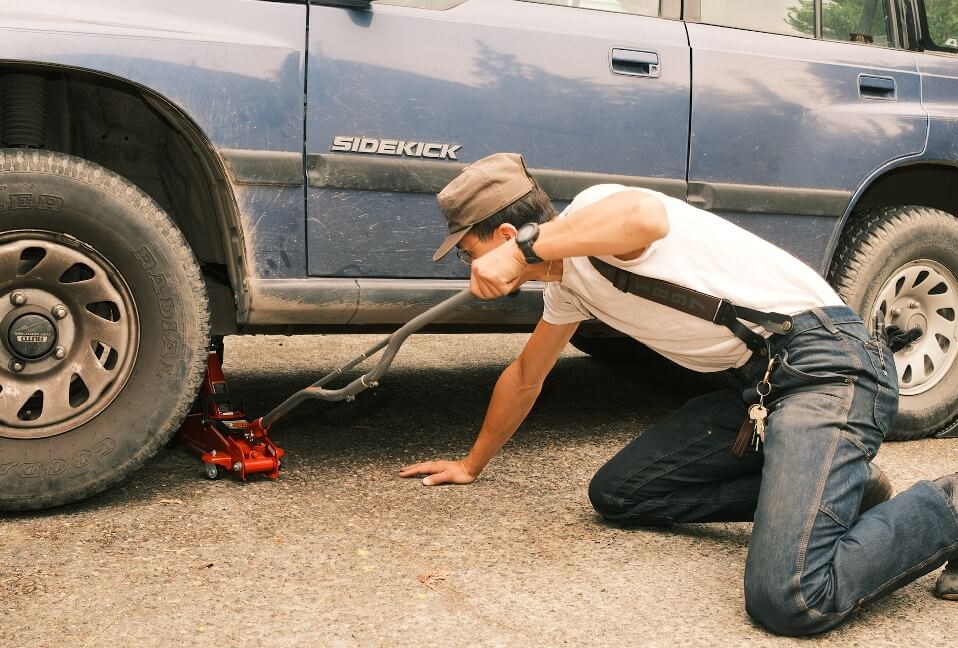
(823, 318)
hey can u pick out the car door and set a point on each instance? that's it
(795, 104)
(402, 95)
(938, 65)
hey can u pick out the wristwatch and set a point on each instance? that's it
(525, 238)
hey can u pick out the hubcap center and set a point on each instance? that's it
(32, 336)
(917, 320)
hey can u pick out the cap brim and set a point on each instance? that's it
(450, 243)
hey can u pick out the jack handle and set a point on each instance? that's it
(371, 378)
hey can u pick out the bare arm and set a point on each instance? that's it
(621, 225)
(514, 395)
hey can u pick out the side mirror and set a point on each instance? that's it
(348, 4)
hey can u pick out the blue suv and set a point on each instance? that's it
(180, 170)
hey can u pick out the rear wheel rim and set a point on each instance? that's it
(60, 281)
(922, 293)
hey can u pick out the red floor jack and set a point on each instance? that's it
(227, 441)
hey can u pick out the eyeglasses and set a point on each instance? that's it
(464, 256)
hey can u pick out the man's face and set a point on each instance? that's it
(471, 247)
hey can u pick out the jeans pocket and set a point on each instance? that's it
(804, 373)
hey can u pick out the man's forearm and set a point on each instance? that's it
(617, 225)
(510, 404)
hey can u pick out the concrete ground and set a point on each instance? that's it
(334, 552)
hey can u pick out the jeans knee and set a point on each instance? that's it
(630, 511)
(780, 611)
(601, 496)
(770, 610)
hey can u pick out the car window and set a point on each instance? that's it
(789, 17)
(942, 17)
(638, 7)
(857, 21)
(438, 5)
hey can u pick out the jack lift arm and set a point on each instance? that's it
(227, 441)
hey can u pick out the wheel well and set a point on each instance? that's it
(925, 185)
(139, 135)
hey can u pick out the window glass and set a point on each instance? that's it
(638, 7)
(942, 18)
(790, 17)
(858, 21)
(439, 5)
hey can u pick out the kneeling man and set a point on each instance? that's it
(789, 446)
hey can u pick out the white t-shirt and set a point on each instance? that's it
(704, 252)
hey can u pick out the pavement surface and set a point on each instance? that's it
(335, 552)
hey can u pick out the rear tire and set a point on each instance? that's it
(135, 332)
(902, 263)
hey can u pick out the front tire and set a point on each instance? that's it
(104, 327)
(901, 264)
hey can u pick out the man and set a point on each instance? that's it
(824, 540)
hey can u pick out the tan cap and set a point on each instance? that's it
(482, 189)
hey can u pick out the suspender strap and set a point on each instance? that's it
(699, 304)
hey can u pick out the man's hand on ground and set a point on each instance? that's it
(439, 472)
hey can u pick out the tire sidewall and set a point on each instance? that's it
(121, 224)
(933, 237)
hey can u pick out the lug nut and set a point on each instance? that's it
(59, 311)
(18, 298)
(895, 312)
(913, 304)
(16, 366)
(59, 353)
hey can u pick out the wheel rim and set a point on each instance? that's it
(922, 293)
(54, 286)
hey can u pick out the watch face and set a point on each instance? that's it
(526, 232)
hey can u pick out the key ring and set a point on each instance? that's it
(765, 381)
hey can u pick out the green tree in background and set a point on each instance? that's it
(802, 17)
(942, 21)
(842, 18)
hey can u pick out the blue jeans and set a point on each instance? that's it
(812, 560)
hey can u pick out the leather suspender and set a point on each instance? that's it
(701, 305)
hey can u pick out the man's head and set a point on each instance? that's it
(486, 203)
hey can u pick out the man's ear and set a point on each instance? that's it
(507, 231)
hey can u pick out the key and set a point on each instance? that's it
(758, 413)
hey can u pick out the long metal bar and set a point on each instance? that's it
(371, 378)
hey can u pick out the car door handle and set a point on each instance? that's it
(875, 87)
(634, 62)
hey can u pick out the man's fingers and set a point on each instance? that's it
(432, 480)
(479, 287)
(486, 288)
(425, 468)
(445, 477)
